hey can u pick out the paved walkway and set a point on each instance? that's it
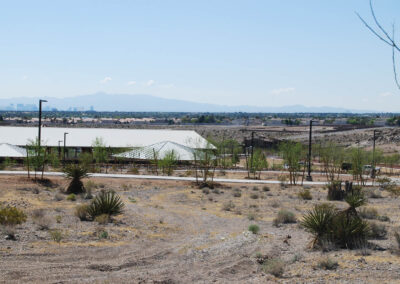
(152, 177)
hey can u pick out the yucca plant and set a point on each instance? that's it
(106, 202)
(76, 173)
(318, 222)
(355, 200)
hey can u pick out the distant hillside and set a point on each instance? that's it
(143, 103)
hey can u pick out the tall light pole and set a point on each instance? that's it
(65, 141)
(309, 177)
(373, 171)
(40, 121)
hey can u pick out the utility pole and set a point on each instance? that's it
(373, 171)
(40, 122)
(59, 149)
(309, 177)
(65, 142)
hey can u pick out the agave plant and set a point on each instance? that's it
(106, 202)
(318, 221)
(76, 173)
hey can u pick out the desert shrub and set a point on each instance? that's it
(254, 196)
(9, 232)
(205, 190)
(255, 188)
(275, 204)
(283, 180)
(305, 194)
(251, 216)
(335, 191)
(75, 173)
(275, 267)
(237, 192)
(318, 221)
(133, 170)
(71, 197)
(368, 213)
(349, 231)
(58, 219)
(284, 217)
(88, 194)
(106, 202)
(81, 211)
(384, 218)
(103, 234)
(228, 206)
(90, 185)
(378, 231)
(102, 219)
(216, 191)
(38, 213)
(10, 216)
(266, 188)
(56, 235)
(397, 237)
(39, 218)
(254, 229)
(328, 263)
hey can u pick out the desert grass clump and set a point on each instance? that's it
(378, 231)
(205, 191)
(106, 202)
(254, 196)
(11, 216)
(305, 194)
(56, 235)
(254, 229)
(274, 266)
(368, 213)
(237, 192)
(284, 217)
(328, 263)
(102, 219)
(266, 188)
(81, 211)
(71, 197)
(75, 173)
(39, 218)
(228, 206)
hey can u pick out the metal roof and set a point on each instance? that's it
(112, 137)
(11, 151)
(161, 149)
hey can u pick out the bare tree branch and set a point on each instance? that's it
(386, 38)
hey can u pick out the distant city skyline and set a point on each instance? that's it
(258, 53)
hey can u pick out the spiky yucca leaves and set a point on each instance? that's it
(75, 173)
(318, 221)
(355, 200)
(106, 202)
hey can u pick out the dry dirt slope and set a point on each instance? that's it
(174, 233)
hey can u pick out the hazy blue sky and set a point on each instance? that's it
(272, 53)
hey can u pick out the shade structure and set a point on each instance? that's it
(11, 151)
(160, 150)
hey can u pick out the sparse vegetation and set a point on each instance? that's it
(254, 229)
(275, 267)
(11, 216)
(305, 194)
(328, 263)
(284, 217)
(71, 197)
(106, 202)
(76, 173)
(56, 235)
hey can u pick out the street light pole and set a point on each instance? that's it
(373, 171)
(65, 141)
(59, 149)
(40, 121)
(309, 177)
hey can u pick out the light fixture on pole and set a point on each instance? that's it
(309, 177)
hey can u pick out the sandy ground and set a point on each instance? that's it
(172, 232)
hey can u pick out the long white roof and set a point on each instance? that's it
(116, 138)
(11, 151)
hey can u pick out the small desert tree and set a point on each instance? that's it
(358, 160)
(332, 157)
(36, 156)
(100, 154)
(168, 162)
(258, 163)
(292, 153)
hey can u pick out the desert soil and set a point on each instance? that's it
(173, 232)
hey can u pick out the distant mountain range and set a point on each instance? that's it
(145, 103)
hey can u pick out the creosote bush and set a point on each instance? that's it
(254, 229)
(56, 235)
(305, 194)
(11, 216)
(228, 206)
(284, 217)
(106, 202)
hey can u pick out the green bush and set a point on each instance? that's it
(56, 235)
(284, 217)
(10, 216)
(254, 229)
(71, 197)
(106, 202)
(305, 194)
